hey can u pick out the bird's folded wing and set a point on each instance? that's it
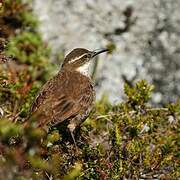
(63, 108)
(55, 110)
(46, 92)
(38, 101)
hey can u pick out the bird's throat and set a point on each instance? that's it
(85, 69)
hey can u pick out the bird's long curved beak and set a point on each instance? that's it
(96, 52)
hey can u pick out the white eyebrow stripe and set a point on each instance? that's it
(76, 58)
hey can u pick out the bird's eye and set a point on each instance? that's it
(86, 56)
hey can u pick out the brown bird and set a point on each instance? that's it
(69, 96)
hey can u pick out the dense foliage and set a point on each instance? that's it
(128, 140)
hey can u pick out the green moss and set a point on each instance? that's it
(28, 48)
(29, 20)
(9, 129)
(74, 173)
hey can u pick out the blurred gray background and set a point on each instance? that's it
(146, 35)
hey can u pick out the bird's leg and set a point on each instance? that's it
(71, 128)
(72, 135)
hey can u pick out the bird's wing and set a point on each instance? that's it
(53, 104)
(55, 110)
(38, 101)
(44, 94)
(68, 108)
(63, 109)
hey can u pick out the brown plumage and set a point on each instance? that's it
(68, 96)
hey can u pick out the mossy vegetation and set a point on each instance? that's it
(130, 140)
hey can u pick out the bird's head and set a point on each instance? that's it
(79, 59)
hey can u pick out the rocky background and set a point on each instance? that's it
(145, 34)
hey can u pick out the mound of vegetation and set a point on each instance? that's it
(130, 140)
